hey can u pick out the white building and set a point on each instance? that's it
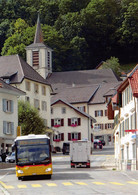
(125, 107)
(8, 115)
(70, 123)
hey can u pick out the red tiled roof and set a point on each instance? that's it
(133, 80)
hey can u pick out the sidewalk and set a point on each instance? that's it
(110, 162)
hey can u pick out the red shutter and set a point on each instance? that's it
(101, 112)
(105, 126)
(79, 136)
(69, 122)
(79, 121)
(69, 136)
(52, 122)
(62, 136)
(84, 108)
(62, 122)
(91, 137)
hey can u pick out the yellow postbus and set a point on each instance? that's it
(33, 156)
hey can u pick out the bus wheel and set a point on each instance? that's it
(48, 176)
(19, 178)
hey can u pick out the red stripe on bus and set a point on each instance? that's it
(33, 165)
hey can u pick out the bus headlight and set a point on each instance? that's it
(48, 169)
(20, 171)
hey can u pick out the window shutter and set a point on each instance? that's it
(12, 128)
(79, 136)
(91, 137)
(84, 108)
(4, 127)
(12, 103)
(69, 122)
(62, 136)
(52, 122)
(105, 126)
(4, 105)
(95, 113)
(101, 112)
(79, 121)
(69, 136)
(101, 126)
(62, 122)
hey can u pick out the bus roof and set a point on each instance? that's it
(31, 136)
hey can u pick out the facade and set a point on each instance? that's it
(16, 72)
(125, 107)
(9, 115)
(70, 123)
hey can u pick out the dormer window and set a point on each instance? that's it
(35, 58)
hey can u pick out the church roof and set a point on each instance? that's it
(17, 69)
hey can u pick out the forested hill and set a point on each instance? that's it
(82, 33)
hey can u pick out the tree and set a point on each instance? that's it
(29, 119)
(112, 63)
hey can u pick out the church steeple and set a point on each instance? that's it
(39, 55)
(38, 33)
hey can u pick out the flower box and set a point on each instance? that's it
(74, 139)
(73, 125)
(57, 140)
(56, 126)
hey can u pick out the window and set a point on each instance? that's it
(98, 126)
(109, 126)
(8, 127)
(51, 110)
(59, 137)
(44, 106)
(98, 113)
(74, 136)
(122, 129)
(81, 108)
(127, 124)
(105, 112)
(43, 90)
(7, 105)
(36, 104)
(36, 88)
(63, 110)
(57, 122)
(48, 60)
(133, 122)
(127, 150)
(27, 85)
(27, 99)
(127, 95)
(74, 122)
(35, 58)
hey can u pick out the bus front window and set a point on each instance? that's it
(27, 154)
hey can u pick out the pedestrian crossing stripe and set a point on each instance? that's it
(81, 183)
(22, 186)
(98, 183)
(36, 185)
(6, 186)
(133, 182)
(115, 183)
(67, 184)
(51, 184)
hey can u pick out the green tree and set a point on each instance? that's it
(112, 63)
(29, 119)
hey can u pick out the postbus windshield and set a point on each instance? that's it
(32, 151)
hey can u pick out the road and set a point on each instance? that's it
(76, 181)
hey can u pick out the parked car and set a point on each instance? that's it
(10, 158)
(0, 159)
(103, 142)
(98, 143)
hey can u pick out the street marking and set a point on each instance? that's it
(51, 184)
(115, 183)
(98, 183)
(6, 186)
(133, 182)
(81, 183)
(67, 184)
(36, 185)
(22, 186)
